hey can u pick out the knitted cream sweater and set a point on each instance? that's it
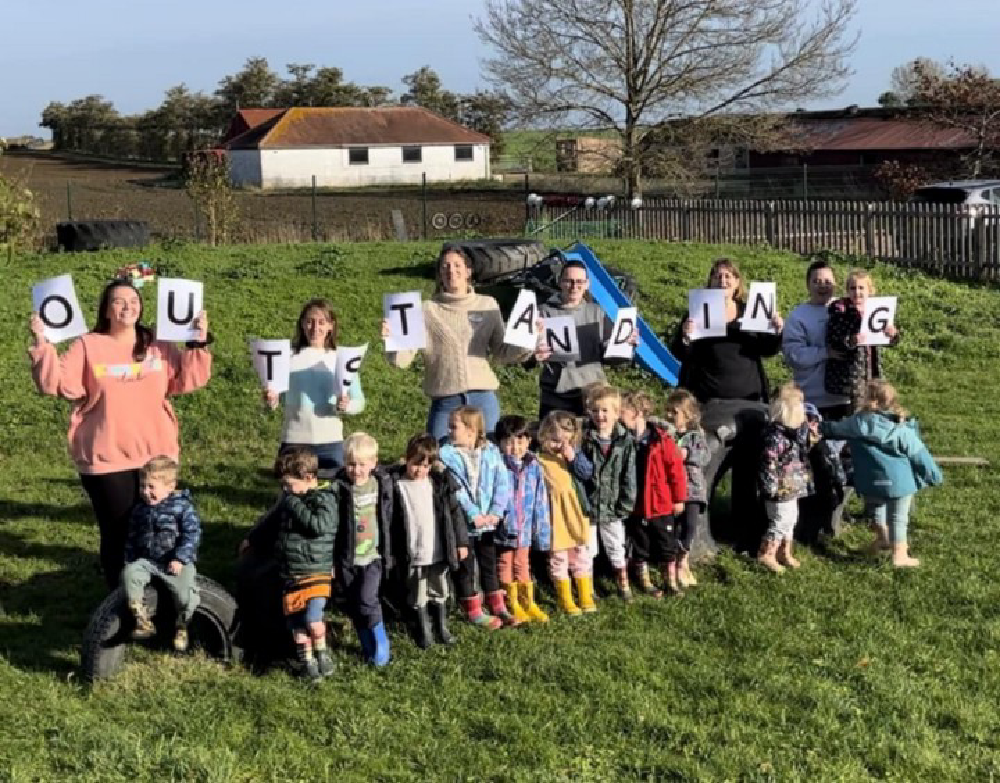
(463, 331)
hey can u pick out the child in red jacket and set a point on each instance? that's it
(662, 489)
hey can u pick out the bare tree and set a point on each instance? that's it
(628, 65)
(905, 79)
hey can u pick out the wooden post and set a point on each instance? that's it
(423, 206)
(69, 201)
(981, 243)
(315, 219)
(869, 236)
(769, 223)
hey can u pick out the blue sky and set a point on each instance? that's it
(131, 52)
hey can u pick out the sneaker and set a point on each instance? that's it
(144, 628)
(324, 663)
(181, 639)
(310, 670)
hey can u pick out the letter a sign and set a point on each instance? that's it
(178, 302)
(521, 324)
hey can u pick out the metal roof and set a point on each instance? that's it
(353, 126)
(865, 133)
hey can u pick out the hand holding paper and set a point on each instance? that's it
(707, 311)
(58, 311)
(405, 315)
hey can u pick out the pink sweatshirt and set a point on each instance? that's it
(121, 417)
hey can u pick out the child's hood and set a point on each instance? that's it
(887, 432)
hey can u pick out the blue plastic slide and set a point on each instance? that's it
(651, 354)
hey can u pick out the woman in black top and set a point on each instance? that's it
(727, 377)
(730, 367)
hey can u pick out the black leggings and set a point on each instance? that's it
(112, 495)
(484, 551)
(653, 540)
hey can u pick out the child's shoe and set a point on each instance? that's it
(181, 639)
(144, 628)
(671, 581)
(585, 587)
(439, 619)
(684, 574)
(382, 654)
(901, 557)
(308, 666)
(564, 597)
(498, 607)
(514, 602)
(422, 633)
(324, 663)
(765, 556)
(624, 588)
(646, 583)
(474, 614)
(881, 544)
(785, 556)
(527, 594)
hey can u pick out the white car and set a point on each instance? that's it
(972, 193)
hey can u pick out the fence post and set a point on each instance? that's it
(718, 184)
(769, 223)
(197, 221)
(805, 180)
(869, 235)
(982, 244)
(527, 206)
(315, 218)
(69, 201)
(686, 223)
(423, 206)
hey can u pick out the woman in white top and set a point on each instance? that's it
(312, 404)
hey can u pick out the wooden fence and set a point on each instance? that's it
(955, 240)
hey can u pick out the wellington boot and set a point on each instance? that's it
(497, 601)
(474, 613)
(646, 583)
(526, 594)
(624, 588)
(514, 604)
(585, 589)
(564, 596)
(881, 544)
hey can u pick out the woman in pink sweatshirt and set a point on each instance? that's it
(119, 378)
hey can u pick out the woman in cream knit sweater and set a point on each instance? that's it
(464, 329)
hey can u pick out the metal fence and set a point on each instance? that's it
(950, 239)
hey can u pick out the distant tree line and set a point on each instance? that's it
(187, 120)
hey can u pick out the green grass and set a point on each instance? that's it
(845, 670)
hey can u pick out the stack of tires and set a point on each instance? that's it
(79, 235)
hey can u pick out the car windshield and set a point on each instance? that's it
(941, 196)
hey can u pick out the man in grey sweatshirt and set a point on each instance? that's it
(803, 343)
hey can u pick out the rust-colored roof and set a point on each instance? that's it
(346, 126)
(864, 133)
(246, 119)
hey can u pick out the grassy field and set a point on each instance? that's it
(844, 671)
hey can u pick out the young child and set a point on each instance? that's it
(484, 494)
(565, 468)
(851, 363)
(611, 490)
(312, 406)
(661, 488)
(163, 537)
(305, 521)
(784, 475)
(429, 536)
(526, 522)
(683, 415)
(363, 553)
(891, 463)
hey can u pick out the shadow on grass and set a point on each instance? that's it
(81, 512)
(424, 269)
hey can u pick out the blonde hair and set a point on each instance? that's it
(684, 402)
(881, 396)
(161, 466)
(860, 274)
(725, 262)
(789, 407)
(360, 445)
(639, 401)
(599, 392)
(472, 417)
(558, 422)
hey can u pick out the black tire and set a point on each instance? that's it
(625, 282)
(79, 235)
(494, 258)
(107, 638)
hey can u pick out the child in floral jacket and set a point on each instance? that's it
(785, 475)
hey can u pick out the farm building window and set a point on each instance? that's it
(412, 154)
(463, 152)
(358, 156)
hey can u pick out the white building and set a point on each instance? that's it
(356, 146)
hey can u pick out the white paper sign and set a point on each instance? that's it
(626, 324)
(880, 312)
(348, 366)
(405, 314)
(56, 304)
(272, 361)
(707, 308)
(761, 307)
(521, 326)
(178, 302)
(561, 338)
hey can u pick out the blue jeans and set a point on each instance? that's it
(441, 408)
(330, 455)
(891, 514)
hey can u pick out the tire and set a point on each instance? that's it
(80, 235)
(625, 282)
(107, 638)
(494, 258)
